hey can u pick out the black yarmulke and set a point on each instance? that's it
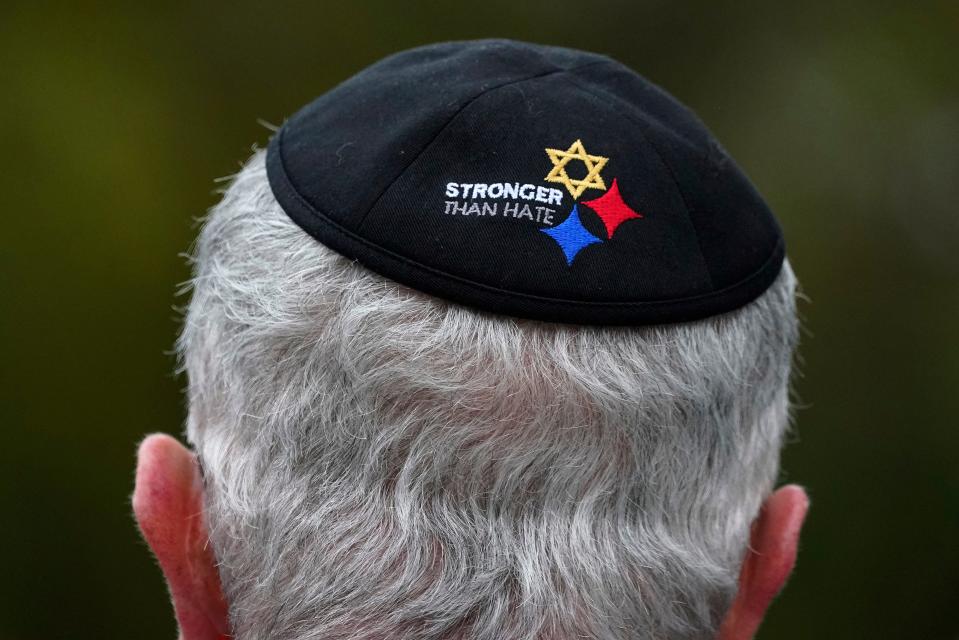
(527, 180)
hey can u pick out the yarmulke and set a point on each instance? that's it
(527, 180)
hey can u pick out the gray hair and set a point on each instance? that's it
(383, 464)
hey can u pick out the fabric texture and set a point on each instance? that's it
(527, 180)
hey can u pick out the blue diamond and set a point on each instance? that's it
(571, 235)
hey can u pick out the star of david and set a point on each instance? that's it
(576, 151)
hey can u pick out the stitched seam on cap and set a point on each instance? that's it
(669, 168)
(546, 300)
(452, 119)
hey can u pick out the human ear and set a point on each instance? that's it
(168, 506)
(773, 545)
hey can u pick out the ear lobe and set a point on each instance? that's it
(168, 505)
(774, 543)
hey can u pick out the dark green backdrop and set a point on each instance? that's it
(115, 120)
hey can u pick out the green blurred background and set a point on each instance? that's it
(115, 120)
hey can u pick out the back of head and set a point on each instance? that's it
(382, 463)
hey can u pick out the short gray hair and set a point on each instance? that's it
(383, 464)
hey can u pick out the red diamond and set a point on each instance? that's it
(611, 209)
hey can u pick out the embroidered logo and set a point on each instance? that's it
(611, 209)
(518, 201)
(571, 236)
(576, 151)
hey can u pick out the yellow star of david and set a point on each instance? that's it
(576, 151)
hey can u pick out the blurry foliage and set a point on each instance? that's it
(116, 119)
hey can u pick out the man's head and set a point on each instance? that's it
(375, 462)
